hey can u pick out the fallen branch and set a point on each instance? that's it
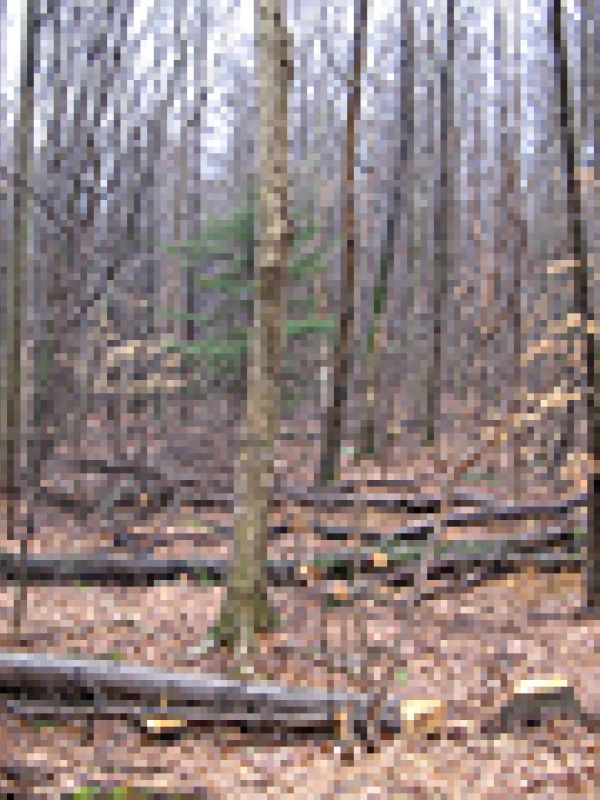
(146, 691)
(399, 563)
(330, 500)
(529, 511)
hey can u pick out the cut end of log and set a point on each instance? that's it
(423, 716)
(163, 726)
(339, 591)
(380, 559)
(535, 700)
(553, 684)
(309, 571)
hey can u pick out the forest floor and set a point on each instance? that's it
(468, 648)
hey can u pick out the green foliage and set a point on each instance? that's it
(86, 792)
(116, 793)
(312, 324)
(204, 577)
(114, 655)
(400, 676)
(221, 358)
(39, 723)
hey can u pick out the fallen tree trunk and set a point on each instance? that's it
(184, 694)
(400, 563)
(337, 500)
(417, 532)
(166, 483)
(134, 539)
(501, 512)
(498, 558)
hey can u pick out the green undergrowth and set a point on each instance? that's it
(121, 793)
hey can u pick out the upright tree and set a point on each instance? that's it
(199, 70)
(331, 452)
(13, 383)
(514, 228)
(583, 294)
(443, 226)
(372, 440)
(247, 610)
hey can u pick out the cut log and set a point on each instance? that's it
(400, 563)
(103, 568)
(423, 716)
(536, 700)
(161, 486)
(417, 532)
(502, 512)
(198, 535)
(333, 500)
(151, 693)
(410, 533)
(495, 559)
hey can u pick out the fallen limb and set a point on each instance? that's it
(500, 558)
(146, 691)
(165, 483)
(530, 511)
(400, 563)
(417, 532)
(535, 701)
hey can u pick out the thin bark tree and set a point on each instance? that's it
(331, 452)
(583, 292)
(247, 610)
(372, 439)
(16, 299)
(443, 223)
(199, 71)
(516, 238)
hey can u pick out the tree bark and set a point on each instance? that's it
(372, 440)
(443, 219)
(246, 612)
(517, 244)
(14, 386)
(331, 453)
(578, 247)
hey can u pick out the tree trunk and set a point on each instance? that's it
(578, 247)
(246, 611)
(330, 456)
(516, 237)
(372, 440)
(443, 217)
(17, 301)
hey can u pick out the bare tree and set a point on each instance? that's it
(247, 610)
(515, 233)
(578, 247)
(443, 219)
(400, 196)
(14, 386)
(330, 456)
